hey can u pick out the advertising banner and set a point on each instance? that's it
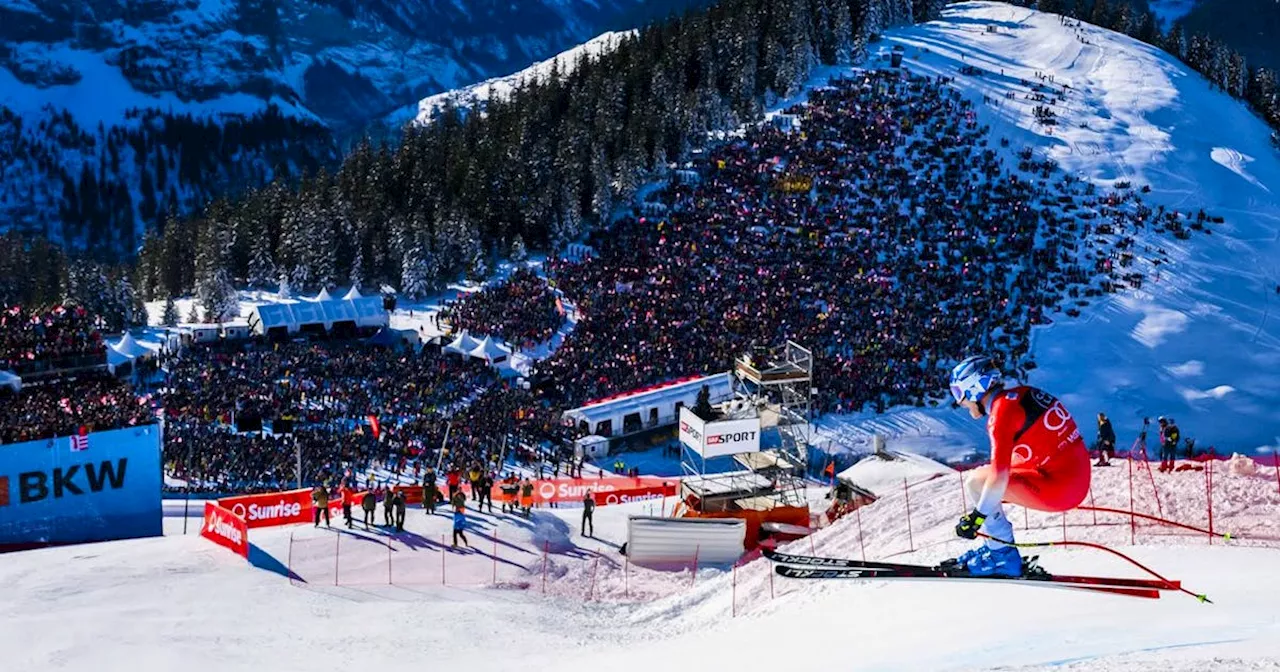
(92, 487)
(607, 490)
(225, 529)
(277, 508)
(691, 430)
(723, 437)
(731, 437)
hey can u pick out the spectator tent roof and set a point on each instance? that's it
(366, 311)
(352, 293)
(490, 351)
(463, 344)
(131, 348)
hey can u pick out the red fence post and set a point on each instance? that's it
(1208, 493)
(911, 544)
(337, 546)
(1275, 458)
(735, 590)
(591, 591)
(1133, 522)
(861, 545)
(1154, 490)
(546, 549)
(1091, 505)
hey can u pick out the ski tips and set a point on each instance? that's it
(1204, 599)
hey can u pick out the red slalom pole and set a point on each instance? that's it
(337, 545)
(1163, 521)
(694, 578)
(771, 573)
(288, 565)
(626, 576)
(964, 499)
(1275, 459)
(911, 544)
(1100, 547)
(1064, 525)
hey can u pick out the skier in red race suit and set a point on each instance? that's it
(1038, 460)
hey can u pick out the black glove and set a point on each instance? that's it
(969, 525)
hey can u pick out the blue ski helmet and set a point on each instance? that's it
(974, 377)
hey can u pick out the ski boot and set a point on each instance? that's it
(961, 563)
(1005, 561)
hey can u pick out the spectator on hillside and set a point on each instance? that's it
(320, 502)
(460, 524)
(398, 500)
(588, 511)
(1106, 441)
(1169, 437)
(370, 504)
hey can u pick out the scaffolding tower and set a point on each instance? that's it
(778, 386)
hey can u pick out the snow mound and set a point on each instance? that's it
(881, 474)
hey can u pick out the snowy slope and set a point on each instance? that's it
(1200, 344)
(155, 603)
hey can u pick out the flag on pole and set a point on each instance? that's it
(375, 427)
(831, 469)
(80, 442)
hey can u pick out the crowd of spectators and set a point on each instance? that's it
(889, 232)
(521, 311)
(39, 339)
(88, 403)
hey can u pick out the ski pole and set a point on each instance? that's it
(1135, 563)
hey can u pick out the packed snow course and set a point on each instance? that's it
(536, 592)
(180, 601)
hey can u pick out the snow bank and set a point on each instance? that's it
(883, 475)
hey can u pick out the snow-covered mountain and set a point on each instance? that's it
(75, 73)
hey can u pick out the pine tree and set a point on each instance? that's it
(413, 277)
(193, 317)
(170, 316)
(518, 251)
(262, 267)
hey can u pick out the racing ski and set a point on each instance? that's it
(1033, 572)
(877, 574)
